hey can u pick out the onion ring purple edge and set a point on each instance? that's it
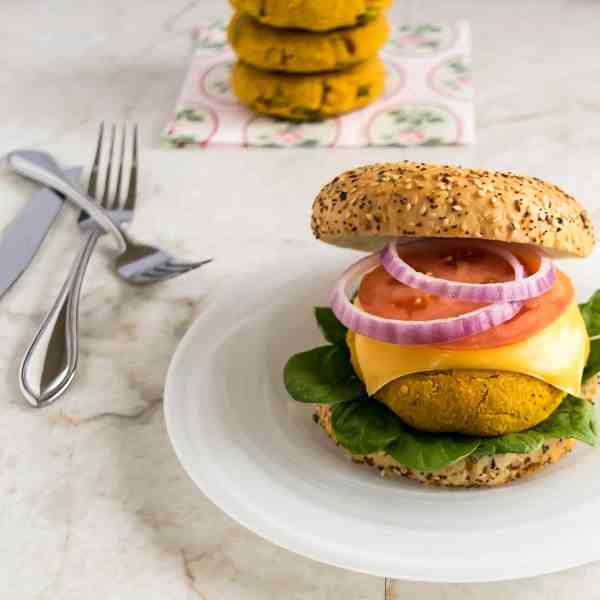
(400, 332)
(522, 288)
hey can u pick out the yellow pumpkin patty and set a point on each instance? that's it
(304, 51)
(303, 97)
(474, 402)
(313, 15)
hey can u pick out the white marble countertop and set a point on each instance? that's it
(93, 503)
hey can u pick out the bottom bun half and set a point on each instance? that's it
(468, 472)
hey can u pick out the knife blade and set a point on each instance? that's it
(22, 237)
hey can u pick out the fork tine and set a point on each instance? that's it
(178, 268)
(152, 276)
(190, 265)
(93, 180)
(132, 190)
(120, 172)
(158, 275)
(166, 269)
(106, 201)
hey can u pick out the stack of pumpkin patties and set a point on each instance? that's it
(307, 59)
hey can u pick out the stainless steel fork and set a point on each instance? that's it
(50, 363)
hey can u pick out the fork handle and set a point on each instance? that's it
(41, 167)
(50, 363)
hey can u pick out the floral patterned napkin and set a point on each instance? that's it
(427, 100)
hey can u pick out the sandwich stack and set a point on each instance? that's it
(307, 60)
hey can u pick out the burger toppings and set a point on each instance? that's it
(324, 376)
(446, 291)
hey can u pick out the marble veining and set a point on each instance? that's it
(93, 503)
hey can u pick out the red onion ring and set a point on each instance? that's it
(395, 331)
(522, 288)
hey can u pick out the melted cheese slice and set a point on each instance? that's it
(556, 355)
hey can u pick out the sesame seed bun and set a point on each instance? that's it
(364, 207)
(480, 471)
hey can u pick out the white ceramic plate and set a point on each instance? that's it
(258, 456)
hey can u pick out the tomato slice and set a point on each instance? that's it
(382, 295)
(536, 314)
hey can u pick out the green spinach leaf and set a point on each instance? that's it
(322, 376)
(364, 426)
(574, 417)
(333, 331)
(427, 452)
(590, 311)
(521, 442)
(592, 366)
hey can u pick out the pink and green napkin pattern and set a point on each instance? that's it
(427, 100)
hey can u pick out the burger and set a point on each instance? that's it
(456, 352)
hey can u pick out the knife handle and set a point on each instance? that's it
(50, 363)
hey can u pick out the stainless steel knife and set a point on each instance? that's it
(22, 237)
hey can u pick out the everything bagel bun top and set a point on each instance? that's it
(364, 207)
